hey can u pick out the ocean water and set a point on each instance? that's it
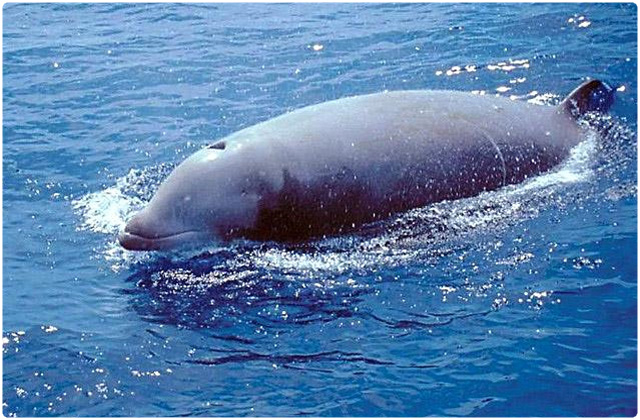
(518, 302)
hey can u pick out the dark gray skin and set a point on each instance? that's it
(331, 167)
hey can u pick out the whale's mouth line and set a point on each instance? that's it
(170, 235)
(136, 242)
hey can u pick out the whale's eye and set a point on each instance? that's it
(220, 145)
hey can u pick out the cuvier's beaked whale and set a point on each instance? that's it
(331, 167)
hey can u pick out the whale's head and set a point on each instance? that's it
(204, 198)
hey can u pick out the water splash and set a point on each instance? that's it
(106, 212)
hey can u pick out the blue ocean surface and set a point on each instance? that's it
(517, 302)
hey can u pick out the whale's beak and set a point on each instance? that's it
(140, 235)
(134, 242)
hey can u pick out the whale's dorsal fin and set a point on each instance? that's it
(592, 95)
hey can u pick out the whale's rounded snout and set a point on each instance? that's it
(138, 234)
(142, 234)
(130, 242)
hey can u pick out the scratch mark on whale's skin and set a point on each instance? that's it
(331, 167)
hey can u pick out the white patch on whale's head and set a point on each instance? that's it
(203, 198)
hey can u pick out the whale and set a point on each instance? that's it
(330, 168)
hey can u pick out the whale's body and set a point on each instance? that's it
(331, 167)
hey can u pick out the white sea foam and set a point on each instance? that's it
(106, 212)
(577, 167)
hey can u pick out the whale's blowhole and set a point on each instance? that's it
(219, 145)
